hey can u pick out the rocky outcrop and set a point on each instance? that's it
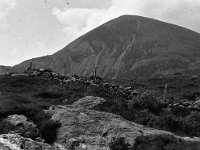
(17, 142)
(23, 126)
(82, 128)
(89, 102)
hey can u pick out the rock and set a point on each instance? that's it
(17, 142)
(23, 126)
(134, 93)
(88, 102)
(106, 85)
(196, 107)
(197, 102)
(176, 104)
(65, 101)
(93, 130)
(186, 104)
(121, 87)
(128, 88)
(194, 76)
(170, 105)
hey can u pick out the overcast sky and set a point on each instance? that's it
(32, 28)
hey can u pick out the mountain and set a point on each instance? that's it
(5, 69)
(126, 47)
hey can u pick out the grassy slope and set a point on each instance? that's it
(30, 95)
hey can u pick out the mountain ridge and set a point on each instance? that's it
(126, 47)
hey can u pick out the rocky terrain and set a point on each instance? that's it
(84, 129)
(92, 130)
(17, 142)
(124, 48)
(51, 111)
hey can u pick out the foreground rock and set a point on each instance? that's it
(82, 128)
(23, 126)
(89, 102)
(17, 142)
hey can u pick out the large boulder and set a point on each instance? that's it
(17, 142)
(83, 128)
(88, 102)
(23, 126)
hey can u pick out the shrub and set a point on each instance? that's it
(163, 142)
(192, 124)
(5, 127)
(51, 95)
(46, 126)
(48, 130)
(191, 96)
(181, 111)
(119, 144)
(149, 100)
(166, 121)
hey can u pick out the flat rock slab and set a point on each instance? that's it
(88, 102)
(94, 130)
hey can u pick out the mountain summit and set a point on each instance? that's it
(125, 47)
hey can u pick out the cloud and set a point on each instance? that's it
(40, 45)
(8, 4)
(90, 3)
(78, 21)
(14, 51)
(5, 6)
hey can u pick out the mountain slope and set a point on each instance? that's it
(126, 46)
(5, 69)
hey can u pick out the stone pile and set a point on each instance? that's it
(192, 105)
(23, 126)
(127, 92)
(17, 142)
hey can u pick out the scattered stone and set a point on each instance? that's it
(65, 101)
(23, 126)
(197, 102)
(194, 76)
(128, 88)
(17, 142)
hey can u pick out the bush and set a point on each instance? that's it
(192, 124)
(46, 126)
(48, 130)
(169, 122)
(163, 142)
(119, 144)
(149, 100)
(51, 95)
(5, 127)
(191, 96)
(180, 111)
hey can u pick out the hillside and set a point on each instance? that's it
(5, 69)
(125, 47)
(79, 111)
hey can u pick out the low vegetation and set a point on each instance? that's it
(29, 96)
(154, 142)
